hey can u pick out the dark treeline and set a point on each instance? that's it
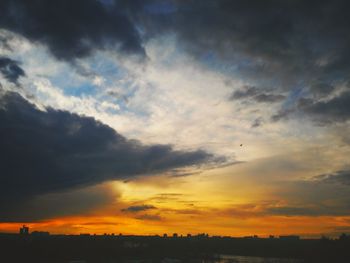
(108, 248)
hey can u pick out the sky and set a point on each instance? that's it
(230, 118)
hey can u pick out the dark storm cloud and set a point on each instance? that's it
(71, 29)
(285, 40)
(282, 35)
(51, 151)
(282, 114)
(246, 92)
(336, 109)
(340, 177)
(255, 94)
(72, 202)
(11, 70)
(283, 45)
(138, 208)
(4, 43)
(322, 89)
(322, 112)
(271, 98)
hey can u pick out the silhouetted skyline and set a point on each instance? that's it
(40, 246)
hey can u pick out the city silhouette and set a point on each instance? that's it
(42, 247)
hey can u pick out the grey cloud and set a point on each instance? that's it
(51, 151)
(282, 114)
(149, 217)
(322, 112)
(283, 38)
(4, 43)
(10, 69)
(257, 123)
(269, 98)
(277, 44)
(283, 45)
(138, 208)
(340, 177)
(336, 109)
(67, 203)
(321, 89)
(244, 93)
(253, 93)
(71, 29)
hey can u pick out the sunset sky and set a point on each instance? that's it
(151, 117)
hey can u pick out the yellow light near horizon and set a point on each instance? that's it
(261, 226)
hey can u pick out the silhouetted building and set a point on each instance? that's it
(40, 233)
(344, 237)
(175, 235)
(251, 237)
(291, 237)
(24, 230)
(203, 235)
(165, 235)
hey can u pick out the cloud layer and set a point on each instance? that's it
(49, 151)
(69, 29)
(295, 47)
(283, 45)
(10, 70)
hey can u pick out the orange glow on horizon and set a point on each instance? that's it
(261, 226)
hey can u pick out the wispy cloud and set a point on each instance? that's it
(138, 208)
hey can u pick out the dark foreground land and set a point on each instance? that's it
(108, 248)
